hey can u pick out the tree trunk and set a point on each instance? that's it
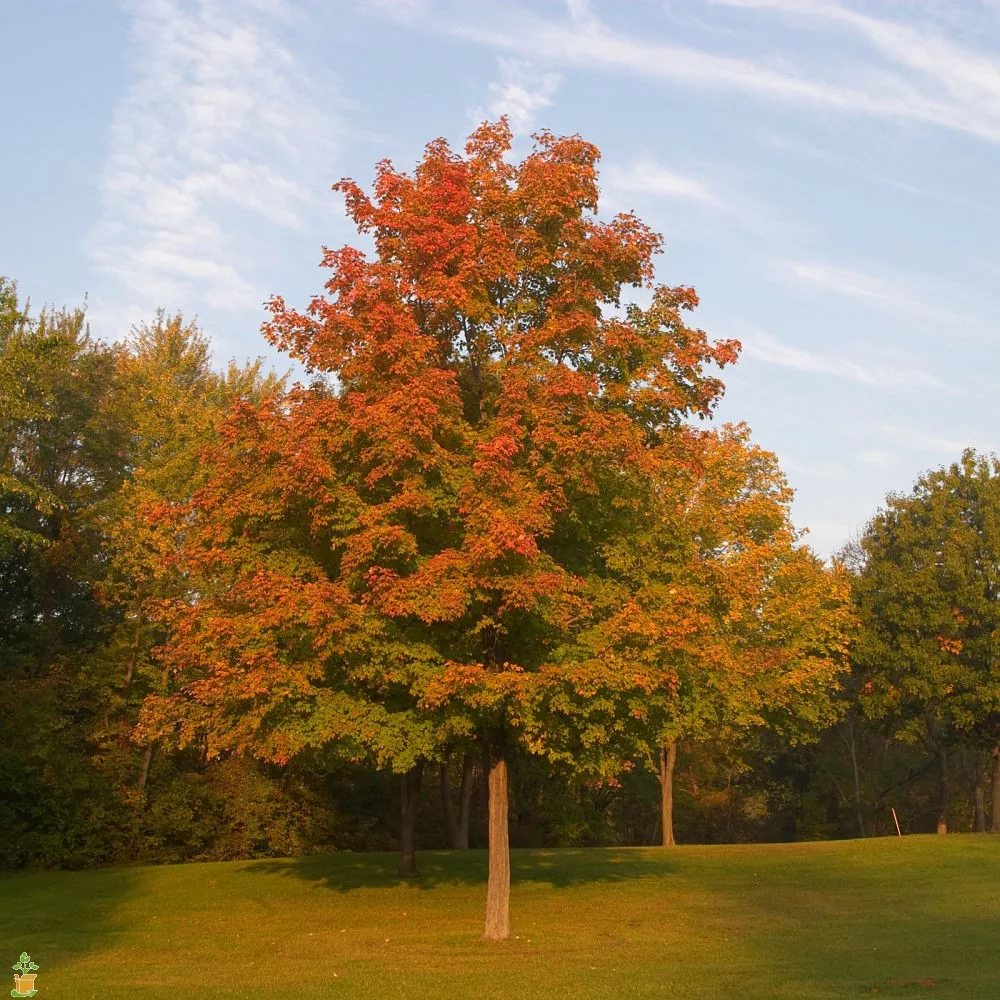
(498, 885)
(995, 792)
(144, 773)
(134, 658)
(852, 746)
(465, 790)
(945, 800)
(668, 759)
(458, 823)
(980, 808)
(450, 820)
(409, 800)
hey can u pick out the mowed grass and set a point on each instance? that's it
(917, 916)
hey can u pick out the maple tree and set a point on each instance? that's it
(397, 558)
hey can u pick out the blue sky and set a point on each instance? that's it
(825, 174)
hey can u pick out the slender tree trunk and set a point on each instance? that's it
(498, 885)
(945, 799)
(409, 800)
(995, 792)
(852, 746)
(656, 828)
(450, 820)
(458, 822)
(980, 808)
(134, 657)
(465, 791)
(144, 773)
(668, 759)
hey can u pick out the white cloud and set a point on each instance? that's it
(924, 78)
(949, 84)
(580, 12)
(857, 284)
(216, 144)
(863, 370)
(648, 178)
(927, 301)
(520, 94)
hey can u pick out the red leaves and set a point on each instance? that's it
(499, 451)
(447, 506)
(726, 352)
(476, 686)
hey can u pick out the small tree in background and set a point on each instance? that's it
(928, 596)
(170, 401)
(713, 619)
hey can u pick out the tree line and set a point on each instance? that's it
(488, 575)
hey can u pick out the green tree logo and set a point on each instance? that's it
(24, 977)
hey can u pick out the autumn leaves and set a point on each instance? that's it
(491, 524)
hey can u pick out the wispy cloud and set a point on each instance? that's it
(649, 179)
(928, 302)
(216, 142)
(864, 370)
(865, 285)
(521, 93)
(920, 76)
(948, 84)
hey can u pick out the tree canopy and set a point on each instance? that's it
(402, 556)
(929, 600)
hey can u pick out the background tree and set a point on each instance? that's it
(715, 620)
(61, 448)
(929, 604)
(171, 401)
(91, 432)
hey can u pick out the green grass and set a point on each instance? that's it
(918, 916)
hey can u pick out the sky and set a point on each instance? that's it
(825, 174)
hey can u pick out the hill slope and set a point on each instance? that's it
(888, 918)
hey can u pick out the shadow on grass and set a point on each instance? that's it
(559, 869)
(60, 916)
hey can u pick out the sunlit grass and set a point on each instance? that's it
(888, 918)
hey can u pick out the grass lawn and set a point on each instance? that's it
(918, 916)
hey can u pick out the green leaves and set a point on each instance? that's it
(928, 594)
